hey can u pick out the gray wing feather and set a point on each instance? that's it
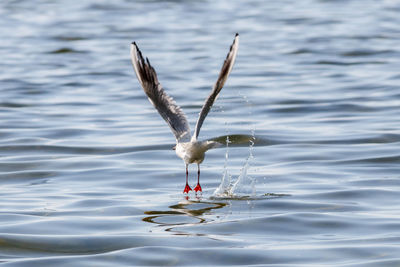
(164, 104)
(223, 76)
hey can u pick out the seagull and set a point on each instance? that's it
(188, 148)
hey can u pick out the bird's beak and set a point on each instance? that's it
(174, 148)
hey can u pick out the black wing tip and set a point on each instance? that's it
(148, 62)
(141, 60)
(231, 47)
(136, 46)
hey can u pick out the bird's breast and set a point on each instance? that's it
(190, 152)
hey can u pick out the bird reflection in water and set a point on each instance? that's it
(187, 213)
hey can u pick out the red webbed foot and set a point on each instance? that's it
(187, 189)
(198, 188)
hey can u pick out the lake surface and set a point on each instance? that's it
(310, 175)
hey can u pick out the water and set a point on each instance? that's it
(88, 176)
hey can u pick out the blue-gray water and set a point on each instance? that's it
(88, 176)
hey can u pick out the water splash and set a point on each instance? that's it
(225, 184)
(244, 185)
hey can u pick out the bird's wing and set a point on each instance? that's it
(164, 104)
(223, 75)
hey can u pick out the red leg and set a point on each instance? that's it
(187, 187)
(198, 187)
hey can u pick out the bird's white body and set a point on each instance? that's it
(193, 152)
(188, 148)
